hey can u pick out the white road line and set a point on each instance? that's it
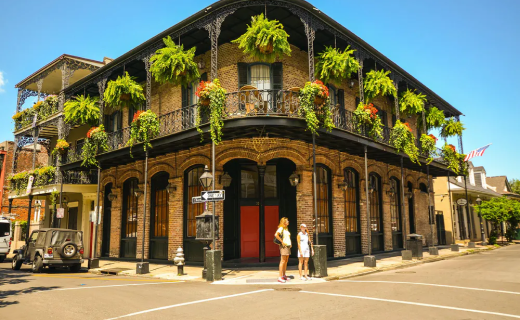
(111, 286)
(231, 279)
(416, 304)
(433, 285)
(188, 303)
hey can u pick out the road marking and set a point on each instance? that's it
(111, 286)
(102, 278)
(416, 304)
(433, 285)
(232, 279)
(189, 303)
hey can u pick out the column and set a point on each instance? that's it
(29, 217)
(310, 31)
(338, 216)
(148, 91)
(101, 88)
(175, 217)
(115, 223)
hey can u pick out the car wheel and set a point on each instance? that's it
(2, 258)
(37, 264)
(68, 250)
(75, 267)
(17, 263)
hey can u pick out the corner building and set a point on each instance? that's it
(264, 142)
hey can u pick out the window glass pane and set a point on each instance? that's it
(161, 213)
(351, 202)
(130, 215)
(332, 95)
(192, 90)
(375, 206)
(270, 182)
(261, 76)
(395, 210)
(322, 188)
(249, 182)
(194, 189)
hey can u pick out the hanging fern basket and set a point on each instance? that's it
(319, 101)
(125, 97)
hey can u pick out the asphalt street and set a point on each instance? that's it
(479, 286)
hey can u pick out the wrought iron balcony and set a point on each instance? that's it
(27, 116)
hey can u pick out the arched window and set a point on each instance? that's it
(375, 203)
(194, 188)
(395, 208)
(130, 208)
(423, 188)
(351, 201)
(322, 196)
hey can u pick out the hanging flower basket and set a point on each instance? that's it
(315, 106)
(335, 66)
(267, 49)
(125, 97)
(124, 91)
(367, 120)
(62, 146)
(212, 101)
(403, 140)
(96, 142)
(428, 148)
(144, 127)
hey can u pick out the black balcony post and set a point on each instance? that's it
(403, 215)
(261, 176)
(470, 221)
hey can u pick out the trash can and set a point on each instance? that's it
(414, 243)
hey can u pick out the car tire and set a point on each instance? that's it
(2, 258)
(17, 262)
(75, 267)
(37, 265)
(68, 250)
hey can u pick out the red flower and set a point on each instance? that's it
(136, 115)
(433, 137)
(452, 147)
(373, 110)
(202, 87)
(89, 133)
(408, 126)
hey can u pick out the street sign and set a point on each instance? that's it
(196, 200)
(214, 195)
(60, 213)
(461, 202)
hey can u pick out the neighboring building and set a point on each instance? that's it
(501, 185)
(466, 223)
(264, 143)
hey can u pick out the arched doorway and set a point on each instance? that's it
(107, 218)
(129, 219)
(352, 223)
(324, 199)
(255, 201)
(411, 208)
(193, 249)
(376, 213)
(159, 217)
(395, 214)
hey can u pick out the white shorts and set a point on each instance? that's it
(306, 253)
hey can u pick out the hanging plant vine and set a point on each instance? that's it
(428, 147)
(82, 110)
(378, 83)
(434, 118)
(412, 103)
(315, 106)
(174, 65)
(403, 140)
(61, 147)
(367, 120)
(212, 102)
(124, 92)
(335, 66)
(265, 40)
(95, 143)
(452, 157)
(144, 127)
(451, 128)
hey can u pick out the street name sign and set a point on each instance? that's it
(213, 195)
(196, 200)
(461, 202)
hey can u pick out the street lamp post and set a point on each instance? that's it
(482, 235)
(206, 180)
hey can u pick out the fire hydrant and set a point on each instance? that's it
(179, 261)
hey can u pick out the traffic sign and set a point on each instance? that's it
(196, 200)
(461, 202)
(214, 195)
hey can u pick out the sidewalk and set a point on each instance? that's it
(337, 269)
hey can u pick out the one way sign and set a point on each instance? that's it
(214, 195)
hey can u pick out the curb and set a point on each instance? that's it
(410, 264)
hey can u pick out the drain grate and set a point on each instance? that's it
(113, 271)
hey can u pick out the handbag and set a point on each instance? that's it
(276, 241)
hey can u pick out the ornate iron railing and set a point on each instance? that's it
(43, 113)
(243, 104)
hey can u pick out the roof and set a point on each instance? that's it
(301, 4)
(475, 189)
(502, 186)
(479, 168)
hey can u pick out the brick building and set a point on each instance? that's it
(264, 143)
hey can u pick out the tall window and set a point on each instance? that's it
(270, 182)
(130, 210)
(193, 210)
(260, 76)
(322, 196)
(332, 95)
(160, 205)
(395, 208)
(249, 182)
(375, 204)
(351, 201)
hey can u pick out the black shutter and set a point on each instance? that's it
(394, 120)
(277, 69)
(131, 112)
(119, 120)
(204, 77)
(357, 101)
(185, 95)
(242, 74)
(383, 116)
(341, 102)
(107, 123)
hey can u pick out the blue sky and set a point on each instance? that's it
(463, 50)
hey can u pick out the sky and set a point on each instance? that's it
(467, 51)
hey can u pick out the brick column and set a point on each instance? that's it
(115, 223)
(363, 213)
(175, 217)
(140, 216)
(387, 217)
(338, 216)
(304, 202)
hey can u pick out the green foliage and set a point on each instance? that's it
(435, 118)
(403, 140)
(515, 185)
(122, 88)
(54, 198)
(82, 110)
(452, 128)
(334, 65)
(501, 209)
(42, 177)
(61, 147)
(265, 40)
(144, 127)
(412, 103)
(451, 156)
(174, 65)
(213, 93)
(378, 83)
(366, 119)
(428, 147)
(315, 114)
(42, 109)
(95, 142)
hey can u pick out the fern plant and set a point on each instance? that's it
(82, 110)
(174, 65)
(434, 118)
(452, 128)
(403, 140)
(265, 40)
(411, 102)
(335, 66)
(123, 92)
(144, 127)
(378, 83)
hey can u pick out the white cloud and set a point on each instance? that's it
(2, 82)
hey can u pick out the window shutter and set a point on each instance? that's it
(277, 69)
(119, 120)
(204, 77)
(383, 116)
(341, 102)
(394, 120)
(107, 123)
(185, 96)
(242, 74)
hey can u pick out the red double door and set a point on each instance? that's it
(250, 231)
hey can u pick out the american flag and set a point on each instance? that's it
(476, 153)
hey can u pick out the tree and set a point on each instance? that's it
(515, 185)
(498, 210)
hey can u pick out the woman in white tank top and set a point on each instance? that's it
(305, 250)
